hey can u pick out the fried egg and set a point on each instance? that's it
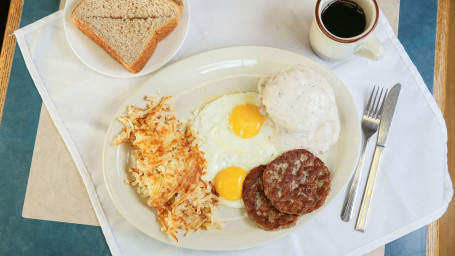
(235, 137)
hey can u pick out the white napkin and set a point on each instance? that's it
(413, 188)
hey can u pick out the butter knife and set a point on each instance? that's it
(384, 126)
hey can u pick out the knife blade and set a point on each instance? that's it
(387, 114)
(384, 127)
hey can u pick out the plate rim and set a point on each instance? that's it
(186, 13)
(121, 109)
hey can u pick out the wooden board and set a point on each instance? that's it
(9, 44)
(445, 80)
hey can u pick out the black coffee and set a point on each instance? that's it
(344, 19)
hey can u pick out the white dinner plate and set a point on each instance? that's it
(97, 59)
(191, 82)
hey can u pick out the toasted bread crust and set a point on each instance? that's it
(159, 35)
(146, 53)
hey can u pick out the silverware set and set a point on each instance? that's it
(377, 116)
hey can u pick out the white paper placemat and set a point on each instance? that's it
(413, 189)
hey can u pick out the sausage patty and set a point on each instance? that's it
(296, 182)
(258, 206)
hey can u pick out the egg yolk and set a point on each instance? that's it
(229, 182)
(246, 120)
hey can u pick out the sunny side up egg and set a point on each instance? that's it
(235, 137)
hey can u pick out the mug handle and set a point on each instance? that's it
(371, 48)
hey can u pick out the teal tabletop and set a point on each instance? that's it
(22, 236)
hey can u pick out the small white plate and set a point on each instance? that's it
(97, 59)
(191, 82)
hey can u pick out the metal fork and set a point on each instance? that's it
(370, 124)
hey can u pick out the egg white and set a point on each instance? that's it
(222, 148)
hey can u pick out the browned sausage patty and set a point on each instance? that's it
(258, 206)
(296, 182)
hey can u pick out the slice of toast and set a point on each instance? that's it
(128, 30)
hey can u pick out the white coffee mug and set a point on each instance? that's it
(328, 46)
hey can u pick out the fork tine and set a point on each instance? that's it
(377, 106)
(367, 108)
(382, 105)
(372, 107)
